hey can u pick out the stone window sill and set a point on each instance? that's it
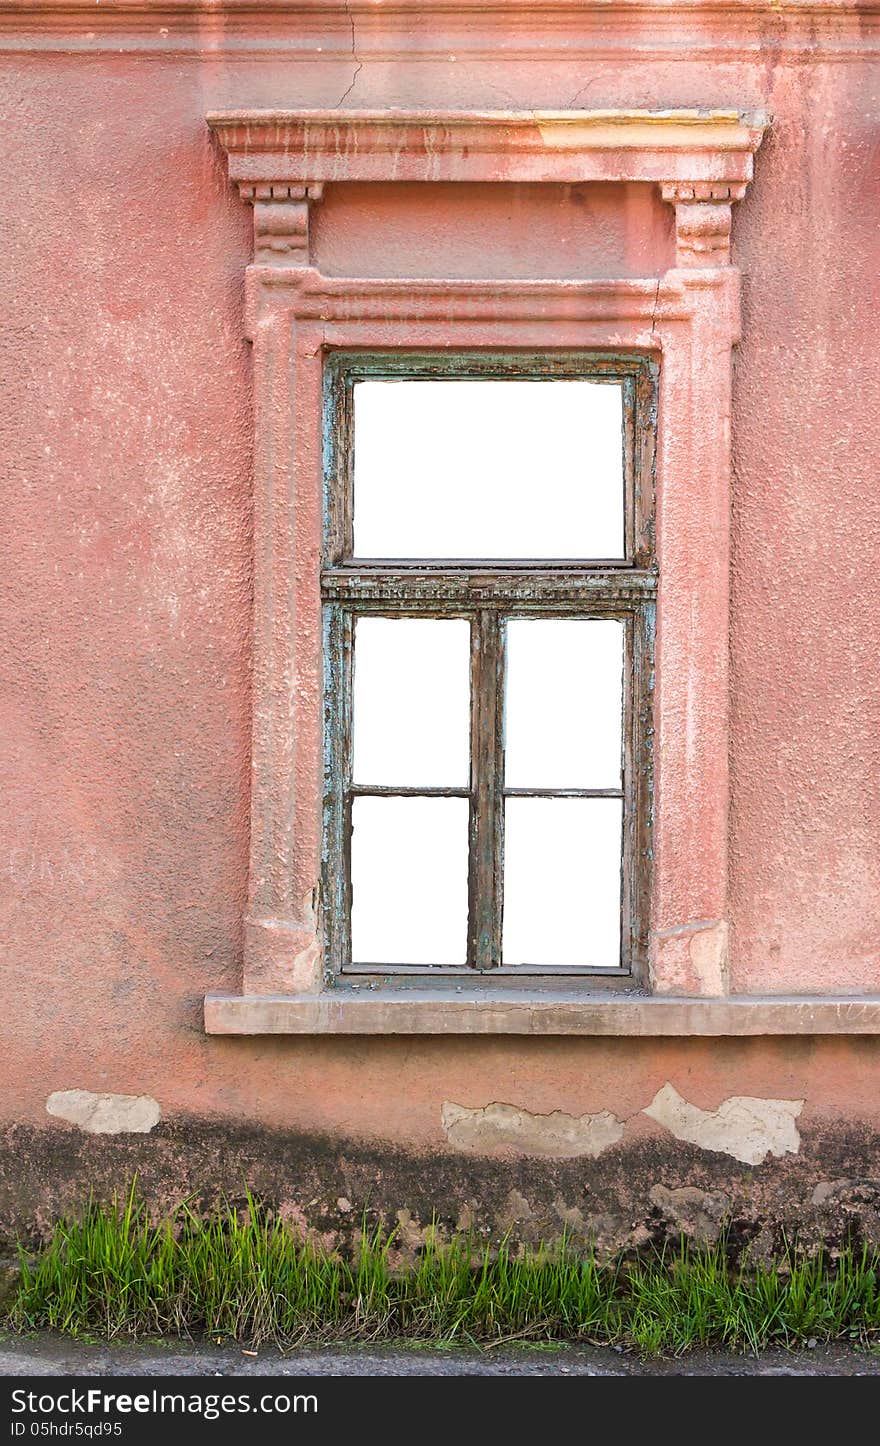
(438, 1011)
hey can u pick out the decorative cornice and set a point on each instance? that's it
(690, 146)
(230, 9)
(443, 31)
(281, 159)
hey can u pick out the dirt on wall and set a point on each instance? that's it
(633, 1195)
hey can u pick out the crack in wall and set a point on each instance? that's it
(580, 91)
(359, 64)
(655, 305)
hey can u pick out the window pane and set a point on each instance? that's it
(409, 876)
(562, 881)
(412, 701)
(494, 469)
(564, 703)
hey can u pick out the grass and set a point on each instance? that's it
(243, 1276)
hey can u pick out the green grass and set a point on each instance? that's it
(243, 1276)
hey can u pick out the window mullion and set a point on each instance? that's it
(487, 797)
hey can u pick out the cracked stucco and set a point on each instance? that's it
(358, 63)
(558, 1135)
(746, 1128)
(105, 1114)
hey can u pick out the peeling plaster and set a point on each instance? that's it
(105, 1114)
(558, 1135)
(748, 1129)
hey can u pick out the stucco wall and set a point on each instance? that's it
(125, 436)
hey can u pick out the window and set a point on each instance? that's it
(488, 591)
(318, 341)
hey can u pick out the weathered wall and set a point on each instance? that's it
(125, 435)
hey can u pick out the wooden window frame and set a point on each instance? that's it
(487, 594)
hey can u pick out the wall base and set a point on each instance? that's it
(653, 1189)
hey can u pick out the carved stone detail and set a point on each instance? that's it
(702, 221)
(281, 220)
(702, 191)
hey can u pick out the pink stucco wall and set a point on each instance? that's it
(125, 425)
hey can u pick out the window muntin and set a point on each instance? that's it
(557, 853)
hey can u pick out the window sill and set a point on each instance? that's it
(545, 1013)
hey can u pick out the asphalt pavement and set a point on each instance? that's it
(52, 1355)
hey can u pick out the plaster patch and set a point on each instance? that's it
(105, 1114)
(746, 1128)
(558, 1135)
(305, 971)
(708, 951)
(691, 959)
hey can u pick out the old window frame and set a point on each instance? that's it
(687, 318)
(487, 593)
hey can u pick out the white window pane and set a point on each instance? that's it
(495, 469)
(564, 703)
(409, 879)
(562, 881)
(412, 702)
